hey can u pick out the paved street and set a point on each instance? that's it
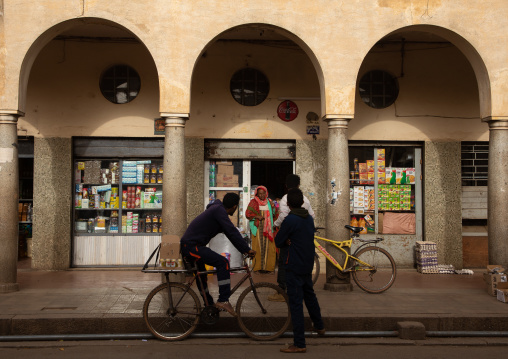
(243, 348)
(103, 301)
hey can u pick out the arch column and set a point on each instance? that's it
(498, 191)
(174, 190)
(337, 207)
(9, 194)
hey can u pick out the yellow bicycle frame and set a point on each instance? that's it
(340, 245)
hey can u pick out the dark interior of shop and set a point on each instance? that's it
(272, 175)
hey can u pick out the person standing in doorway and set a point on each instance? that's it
(297, 234)
(261, 213)
(292, 181)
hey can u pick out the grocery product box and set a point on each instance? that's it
(493, 281)
(381, 154)
(389, 173)
(225, 169)
(129, 180)
(370, 177)
(370, 165)
(410, 175)
(222, 162)
(362, 168)
(495, 268)
(170, 246)
(502, 292)
(227, 181)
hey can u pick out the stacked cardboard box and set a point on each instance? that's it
(394, 197)
(426, 257)
(381, 176)
(400, 175)
(225, 176)
(361, 199)
(496, 279)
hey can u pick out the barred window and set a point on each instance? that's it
(120, 84)
(249, 87)
(378, 89)
(475, 163)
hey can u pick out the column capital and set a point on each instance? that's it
(175, 119)
(10, 117)
(494, 118)
(498, 123)
(337, 121)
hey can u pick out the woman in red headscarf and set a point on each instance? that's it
(261, 214)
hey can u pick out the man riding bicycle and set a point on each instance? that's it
(202, 229)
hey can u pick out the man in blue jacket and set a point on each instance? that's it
(201, 230)
(297, 233)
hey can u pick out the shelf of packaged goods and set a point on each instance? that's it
(97, 209)
(141, 209)
(397, 211)
(141, 184)
(25, 222)
(99, 184)
(86, 234)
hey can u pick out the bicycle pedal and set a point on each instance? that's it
(210, 315)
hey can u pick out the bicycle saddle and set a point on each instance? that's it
(354, 229)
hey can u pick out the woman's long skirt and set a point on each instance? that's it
(266, 254)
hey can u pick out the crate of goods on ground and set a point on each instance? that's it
(495, 278)
(426, 257)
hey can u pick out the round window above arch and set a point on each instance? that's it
(249, 87)
(120, 84)
(378, 89)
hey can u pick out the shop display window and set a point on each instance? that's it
(383, 191)
(118, 196)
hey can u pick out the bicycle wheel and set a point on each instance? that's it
(178, 323)
(263, 320)
(379, 275)
(316, 269)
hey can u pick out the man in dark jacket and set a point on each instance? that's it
(297, 233)
(201, 230)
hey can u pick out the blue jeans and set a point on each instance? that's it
(300, 289)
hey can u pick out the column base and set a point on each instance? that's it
(9, 287)
(339, 287)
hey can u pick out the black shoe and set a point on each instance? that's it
(320, 332)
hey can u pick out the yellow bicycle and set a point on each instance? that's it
(372, 268)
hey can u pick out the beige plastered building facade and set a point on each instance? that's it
(452, 73)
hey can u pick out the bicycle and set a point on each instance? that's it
(172, 310)
(372, 268)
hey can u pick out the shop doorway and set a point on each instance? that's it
(272, 175)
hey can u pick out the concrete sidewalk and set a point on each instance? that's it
(96, 301)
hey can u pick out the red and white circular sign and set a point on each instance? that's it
(287, 111)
